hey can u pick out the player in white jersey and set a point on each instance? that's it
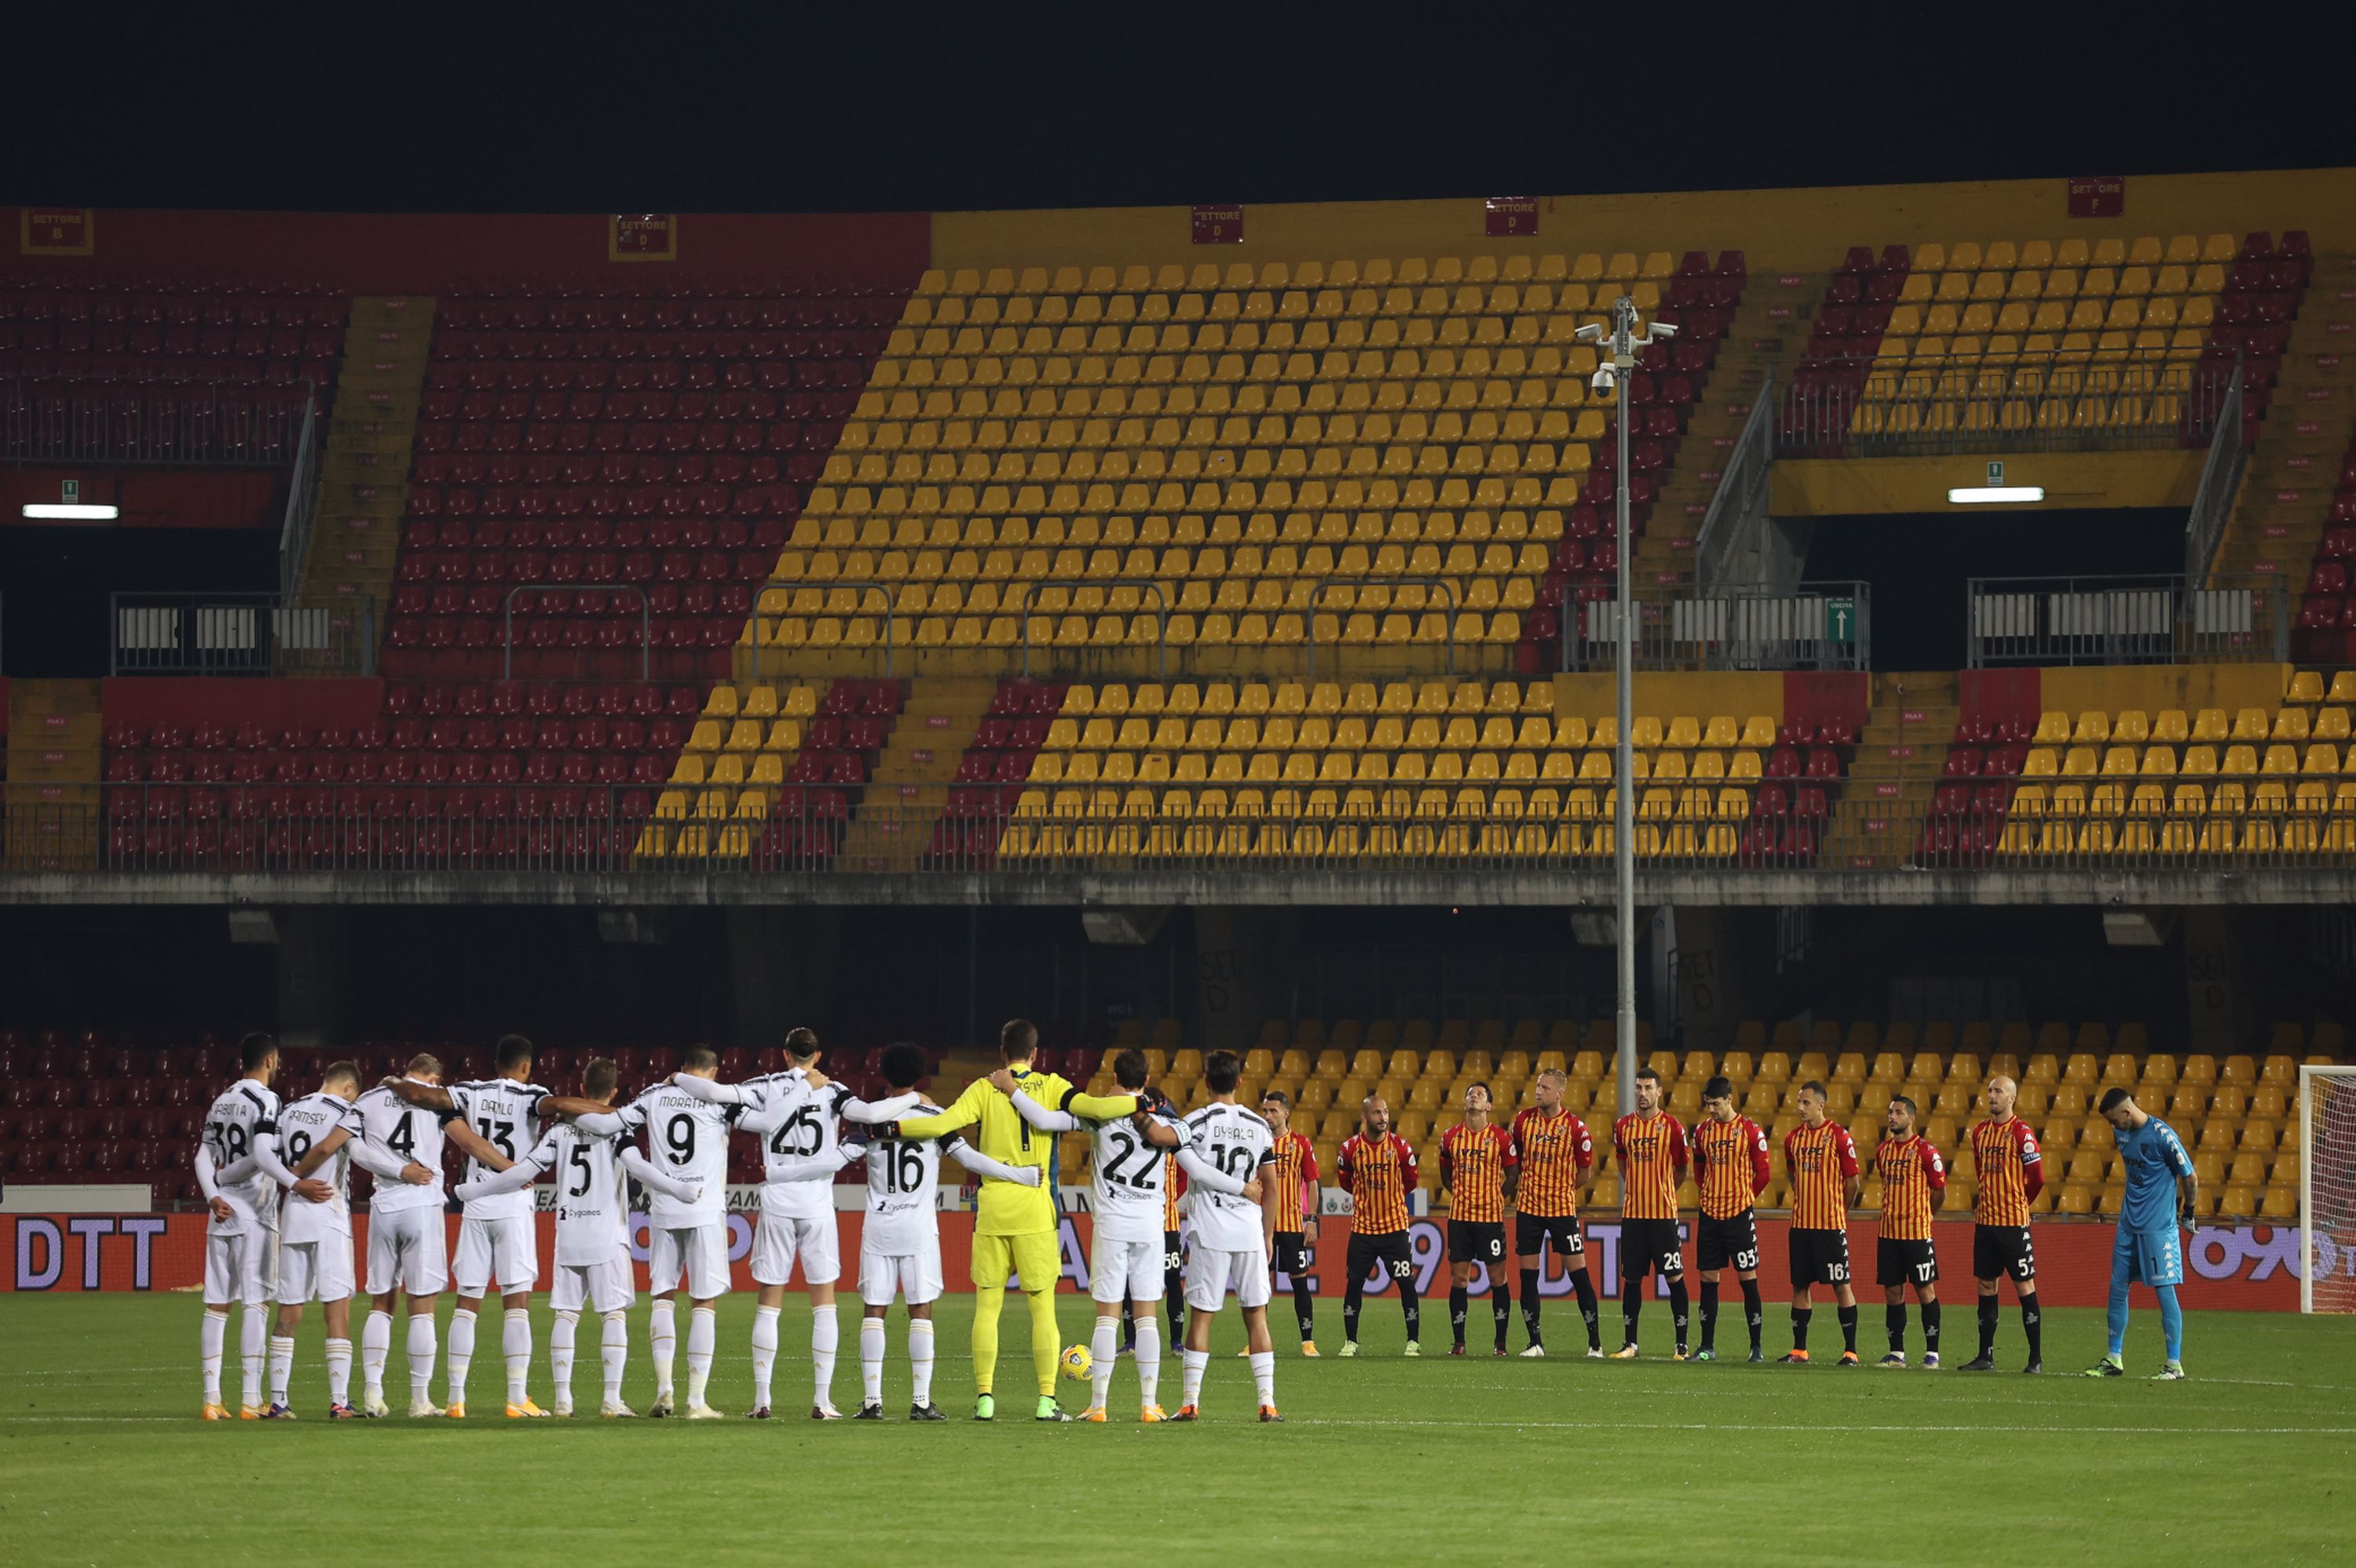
(592, 1244)
(241, 1232)
(1129, 1166)
(408, 1244)
(320, 1134)
(797, 1114)
(686, 1137)
(900, 1244)
(1233, 1232)
(498, 1240)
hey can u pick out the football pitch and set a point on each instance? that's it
(1382, 1460)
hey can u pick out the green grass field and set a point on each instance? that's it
(1382, 1460)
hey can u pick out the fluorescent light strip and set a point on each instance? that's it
(1991, 495)
(54, 511)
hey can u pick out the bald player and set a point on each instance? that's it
(2010, 1170)
(1377, 1171)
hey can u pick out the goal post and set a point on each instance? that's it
(2326, 1189)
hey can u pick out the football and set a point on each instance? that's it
(1076, 1361)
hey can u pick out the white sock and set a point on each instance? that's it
(871, 1361)
(664, 1336)
(1107, 1345)
(515, 1341)
(617, 1354)
(212, 1335)
(425, 1341)
(1263, 1366)
(920, 1357)
(1148, 1367)
(559, 1357)
(339, 1371)
(702, 1332)
(281, 1366)
(461, 1351)
(764, 1353)
(1191, 1380)
(252, 1334)
(826, 1333)
(376, 1345)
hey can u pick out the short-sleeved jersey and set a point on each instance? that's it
(1128, 1181)
(1296, 1168)
(2002, 1154)
(1008, 1208)
(406, 1132)
(505, 1115)
(1820, 1160)
(1473, 1162)
(1729, 1163)
(2155, 1159)
(592, 1204)
(903, 1194)
(688, 1138)
(1377, 1173)
(1240, 1143)
(303, 1126)
(1910, 1170)
(1553, 1154)
(1652, 1155)
(240, 1117)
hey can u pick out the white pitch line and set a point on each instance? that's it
(1830, 1427)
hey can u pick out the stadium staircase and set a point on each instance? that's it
(364, 466)
(55, 732)
(2286, 493)
(909, 787)
(1769, 329)
(1901, 754)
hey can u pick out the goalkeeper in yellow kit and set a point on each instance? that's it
(1015, 1233)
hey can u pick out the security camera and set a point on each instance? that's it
(1663, 329)
(1592, 333)
(1604, 381)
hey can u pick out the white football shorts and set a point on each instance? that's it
(1131, 1269)
(697, 1253)
(242, 1267)
(505, 1250)
(408, 1251)
(606, 1287)
(916, 1277)
(778, 1239)
(314, 1271)
(1211, 1273)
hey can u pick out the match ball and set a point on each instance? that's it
(1076, 1361)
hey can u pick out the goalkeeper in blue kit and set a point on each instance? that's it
(2150, 1245)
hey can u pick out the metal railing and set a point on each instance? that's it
(1739, 507)
(185, 424)
(2057, 401)
(507, 622)
(2221, 481)
(1819, 626)
(301, 500)
(1317, 589)
(1562, 828)
(2127, 620)
(798, 584)
(1162, 611)
(238, 634)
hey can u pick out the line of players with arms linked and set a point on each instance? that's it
(276, 1180)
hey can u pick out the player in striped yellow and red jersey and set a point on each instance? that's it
(1553, 1154)
(1650, 1146)
(2010, 1171)
(1474, 1156)
(1377, 1171)
(1913, 1185)
(1295, 1175)
(1821, 1159)
(1729, 1161)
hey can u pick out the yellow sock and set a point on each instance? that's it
(988, 1300)
(1047, 1344)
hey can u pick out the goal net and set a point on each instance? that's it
(2327, 1189)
